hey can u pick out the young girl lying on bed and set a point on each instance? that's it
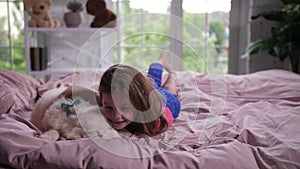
(128, 99)
(134, 101)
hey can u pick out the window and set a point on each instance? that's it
(205, 35)
(195, 32)
(144, 30)
(12, 55)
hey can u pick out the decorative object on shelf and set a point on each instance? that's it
(73, 17)
(38, 58)
(39, 14)
(285, 39)
(103, 16)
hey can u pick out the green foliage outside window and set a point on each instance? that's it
(18, 61)
(217, 29)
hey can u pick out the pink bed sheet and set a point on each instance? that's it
(227, 121)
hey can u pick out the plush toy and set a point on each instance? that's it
(103, 16)
(39, 14)
(60, 117)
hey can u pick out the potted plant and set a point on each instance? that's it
(284, 42)
(73, 17)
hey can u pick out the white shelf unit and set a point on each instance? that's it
(71, 50)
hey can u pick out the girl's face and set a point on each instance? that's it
(117, 110)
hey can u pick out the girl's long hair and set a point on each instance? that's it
(146, 101)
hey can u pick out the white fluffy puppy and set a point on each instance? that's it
(70, 118)
(73, 119)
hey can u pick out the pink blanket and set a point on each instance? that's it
(227, 121)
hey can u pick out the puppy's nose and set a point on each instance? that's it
(42, 7)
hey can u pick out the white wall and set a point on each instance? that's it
(260, 28)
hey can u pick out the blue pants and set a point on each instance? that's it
(171, 101)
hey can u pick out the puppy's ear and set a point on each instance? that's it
(49, 2)
(28, 4)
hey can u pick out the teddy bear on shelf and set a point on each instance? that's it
(39, 14)
(103, 16)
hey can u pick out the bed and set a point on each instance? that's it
(226, 121)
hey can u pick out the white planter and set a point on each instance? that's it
(72, 19)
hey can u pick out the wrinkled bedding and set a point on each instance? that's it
(227, 121)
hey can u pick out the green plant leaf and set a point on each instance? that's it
(261, 45)
(291, 13)
(75, 6)
(258, 46)
(285, 2)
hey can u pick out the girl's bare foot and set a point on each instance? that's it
(163, 60)
(171, 83)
